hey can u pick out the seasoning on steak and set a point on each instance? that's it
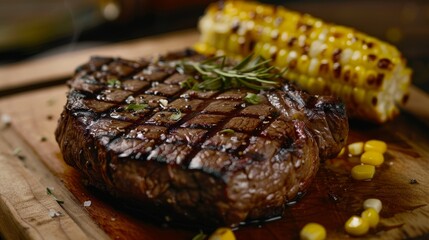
(205, 156)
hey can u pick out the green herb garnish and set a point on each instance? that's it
(136, 106)
(252, 98)
(200, 236)
(49, 192)
(176, 115)
(253, 73)
(227, 131)
(114, 83)
(16, 151)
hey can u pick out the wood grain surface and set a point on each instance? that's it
(334, 196)
(56, 67)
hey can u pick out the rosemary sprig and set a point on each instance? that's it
(251, 72)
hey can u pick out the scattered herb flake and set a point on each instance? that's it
(227, 131)
(16, 151)
(413, 181)
(252, 98)
(176, 115)
(200, 236)
(136, 106)
(49, 192)
(114, 83)
(51, 101)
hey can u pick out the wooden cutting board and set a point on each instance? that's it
(30, 162)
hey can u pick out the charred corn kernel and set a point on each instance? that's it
(363, 172)
(371, 216)
(356, 148)
(356, 226)
(373, 203)
(375, 145)
(222, 234)
(309, 48)
(313, 231)
(372, 158)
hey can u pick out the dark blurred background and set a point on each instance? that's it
(31, 29)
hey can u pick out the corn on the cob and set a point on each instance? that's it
(370, 76)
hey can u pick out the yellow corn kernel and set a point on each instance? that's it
(372, 158)
(356, 148)
(356, 226)
(222, 234)
(281, 57)
(232, 45)
(303, 64)
(373, 203)
(319, 84)
(203, 47)
(363, 172)
(313, 231)
(375, 145)
(371, 216)
(346, 92)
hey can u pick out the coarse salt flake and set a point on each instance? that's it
(87, 203)
(6, 119)
(54, 213)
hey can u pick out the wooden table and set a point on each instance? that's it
(33, 94)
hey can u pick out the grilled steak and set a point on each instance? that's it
(206, 156)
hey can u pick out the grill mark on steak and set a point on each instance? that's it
(211, 177)
(219, 126)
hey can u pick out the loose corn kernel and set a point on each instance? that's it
(356, 226)
(372, 158)
(363, 172)
(356, 148)
(222, 234)
(371, 216)
(313, 231)
(373, 203)
(375, 145)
